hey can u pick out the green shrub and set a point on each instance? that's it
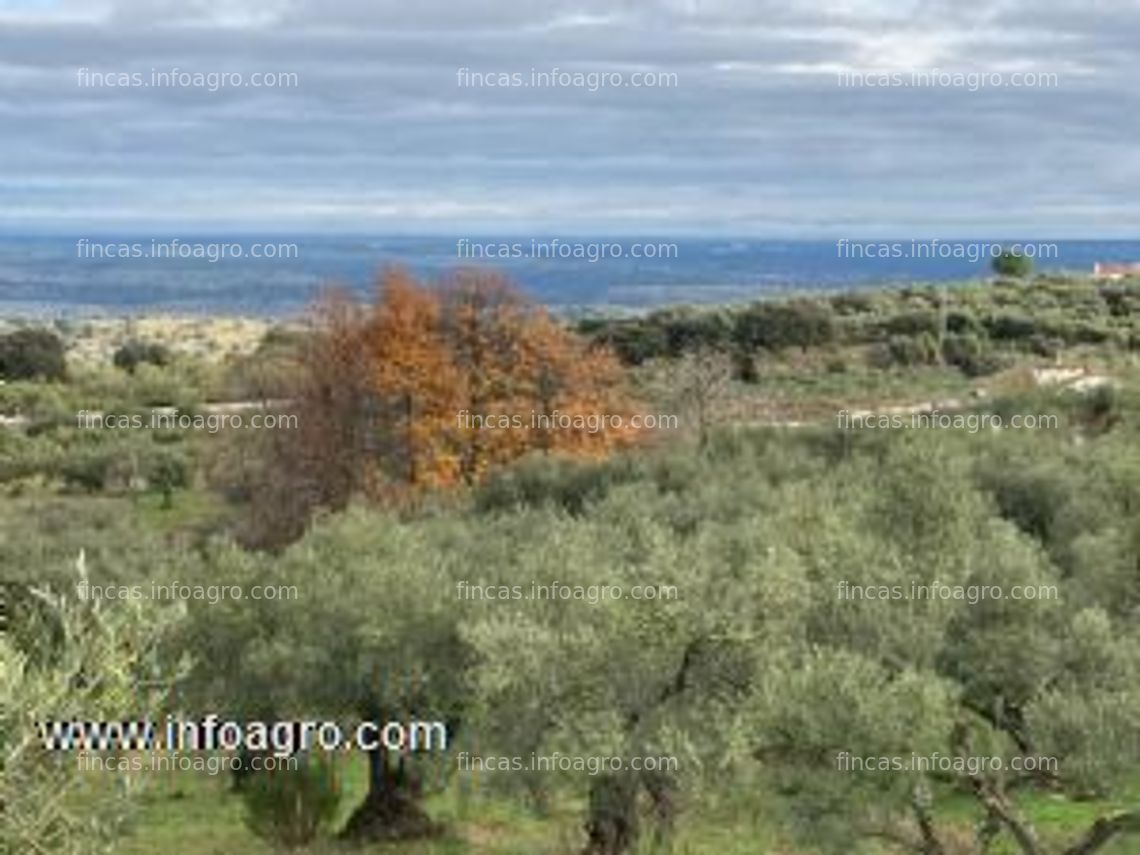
(1045, 345)
(634, 340)
(963, 322)
(907, 350)
(289, 807)
(1090, 334)
(971, 355)
(775, 326)
(744, 367)
(32, 354)
(1099, 409)
(168, 470)
(1007, 327)
(88, 469)
(1011, 263)
(853, 303)
(1118, 301)
(912, 324)
(133, 353)
(543, 480)
(687, 330)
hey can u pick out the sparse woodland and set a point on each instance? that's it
(755, 676)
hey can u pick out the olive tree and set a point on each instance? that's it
(63, 658)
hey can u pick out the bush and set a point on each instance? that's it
(32, 354)
(905, 350)
(133, 353)
(963, 322)
(289, 807)
(166, 472)
(971, 355)
(540, 481)
(1010, 327)
(775, 326)
(1099, 409)
(913, 324)
(88, 469)
(1011, 263)
(633, 340)
(1118, 302)
(853, 303)
(744, 367)
(685, 332)
(1089, 334)
(1047, 346)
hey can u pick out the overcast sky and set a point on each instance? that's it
(756, 136)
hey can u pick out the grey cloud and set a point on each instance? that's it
(755, 136)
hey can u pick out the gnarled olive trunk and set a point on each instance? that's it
(391, 809)
(612, 826)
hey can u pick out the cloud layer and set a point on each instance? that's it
(385, 130)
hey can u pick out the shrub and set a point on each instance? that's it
(32, 354)
(1047, 346)
(166, 472)
(1117, 300)
(1089, 334)
(568, 484)
(289, 807)
(685, 332)
(1010, 263)
(1033, 498)
(1099, 409)
(744, 367)
(1010, 327)
(633, 340)
(963, 322)
(905, 350)
(961, 351)
(853, 303)
(775, 326)
(913, 324)
(130, 355)
(971, 355)
(88, 469)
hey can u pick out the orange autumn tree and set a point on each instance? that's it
(410, 393)
(570, 388)
(516, 362)
(484, 322)
(415, 384)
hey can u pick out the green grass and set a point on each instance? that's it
(185, 813)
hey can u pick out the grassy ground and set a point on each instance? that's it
(188, 813)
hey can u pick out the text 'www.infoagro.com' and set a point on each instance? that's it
(214, 734)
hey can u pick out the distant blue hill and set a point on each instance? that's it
(52, 275)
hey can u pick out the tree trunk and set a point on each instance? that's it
(662, 789)
(390, 811)
(997, 805)
(612, 825)
(1103, 831)
(920, 804)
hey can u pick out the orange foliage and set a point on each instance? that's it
(446, 364)
(415, 382)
